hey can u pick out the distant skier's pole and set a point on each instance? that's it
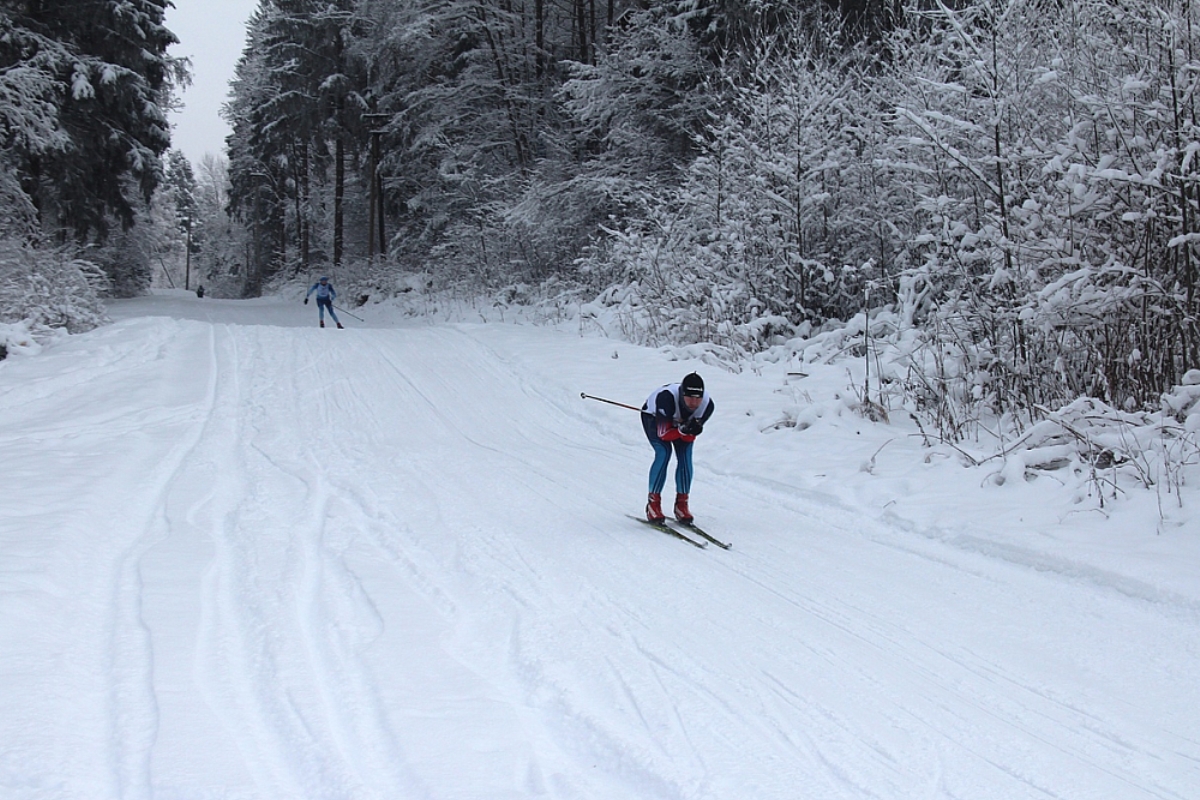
(587, 396)
(344, 311)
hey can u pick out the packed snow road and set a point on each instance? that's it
(241, 558)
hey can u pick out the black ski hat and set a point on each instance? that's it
(692, 385)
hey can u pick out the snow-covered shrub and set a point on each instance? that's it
(1048, 247)
(17, 338)
(128, 258)
(1108, 451)
(19, 217)
(775, 221)
(1182, 403)
(48, 289)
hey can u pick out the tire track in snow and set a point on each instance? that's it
(401, 379)
(351, 607)
(937, 544)
(580, 723)
(338, 617)
(313, 570)
(281, 684)
(960, 692)
(103, 736)
(135, 705)
(934, 669)
(482, 547)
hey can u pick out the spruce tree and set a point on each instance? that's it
(109, 62)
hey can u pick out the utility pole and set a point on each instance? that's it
(187, 258)
(375, 189)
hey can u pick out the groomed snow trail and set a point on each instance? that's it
(268, 561)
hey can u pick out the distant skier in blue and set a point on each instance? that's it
(325, 296)
(673, 416)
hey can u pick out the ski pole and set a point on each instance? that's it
(344, 311)
(587, 396)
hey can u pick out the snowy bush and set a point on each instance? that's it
(771, 226)
(20, 217)
(1100, 452)
(49, 289)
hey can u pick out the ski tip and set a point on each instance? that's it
(692, 527)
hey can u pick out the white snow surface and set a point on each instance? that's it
(244, 557)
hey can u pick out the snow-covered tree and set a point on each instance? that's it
(180, 186)
(1047, 148)
(296, 112)
(776, 216)
(221, 255)
(110, 72)
(29, 90)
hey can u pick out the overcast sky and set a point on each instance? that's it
(211, 33)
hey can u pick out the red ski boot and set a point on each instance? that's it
(340, 325)
(681, 510)
(322, 323)
(654, 511)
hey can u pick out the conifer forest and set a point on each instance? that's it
(1005, 191)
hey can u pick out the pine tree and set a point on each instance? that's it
(29, 63)
(296, 114)
(181, 183)
(109, 59)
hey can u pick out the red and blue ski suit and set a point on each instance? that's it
(664, 416)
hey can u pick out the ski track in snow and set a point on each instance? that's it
(262, 561)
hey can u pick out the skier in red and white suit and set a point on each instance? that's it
(673, 416)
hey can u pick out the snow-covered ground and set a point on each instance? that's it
(243, 557)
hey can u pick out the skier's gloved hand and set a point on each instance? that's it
(306, 301)
(692, 428)
(671, 434)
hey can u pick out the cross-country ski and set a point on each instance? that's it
(663, 527)
(693, 528)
